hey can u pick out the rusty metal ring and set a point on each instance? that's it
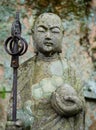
(10, 45)
(6, 45)
(11, 48)
(23, 41)
(23, 48)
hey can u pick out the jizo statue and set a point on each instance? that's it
(49, 91)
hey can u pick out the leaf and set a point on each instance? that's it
(3, 93)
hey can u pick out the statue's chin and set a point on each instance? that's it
(46, 50)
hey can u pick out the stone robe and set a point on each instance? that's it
(37, 80)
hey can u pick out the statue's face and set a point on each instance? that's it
(48, 33)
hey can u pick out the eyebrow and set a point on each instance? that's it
(50, 27)
(42, 26)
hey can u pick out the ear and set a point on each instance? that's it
(34, 44)
(63, 32)
(32, 31)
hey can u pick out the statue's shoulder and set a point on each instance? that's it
(27, 65)
(28, 62)
(64, 61)
(25, 70)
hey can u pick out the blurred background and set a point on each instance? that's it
(79, 42)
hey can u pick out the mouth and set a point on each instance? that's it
(48, 43)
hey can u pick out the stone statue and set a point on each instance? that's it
(49, 91)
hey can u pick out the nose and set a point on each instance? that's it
(48, 35)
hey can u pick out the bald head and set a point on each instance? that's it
(48, 34)
(49, 18)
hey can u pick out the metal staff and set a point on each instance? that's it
(15, 46)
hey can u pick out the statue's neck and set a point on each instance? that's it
(47, 57)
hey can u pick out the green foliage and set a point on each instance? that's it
(4, 31)
(3, 93)
(64, 8)
(6, 10)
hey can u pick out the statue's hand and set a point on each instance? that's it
(65, 101)
(24, 116)
(11, 125)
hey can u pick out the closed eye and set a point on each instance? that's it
(40, 29)
(55, 30)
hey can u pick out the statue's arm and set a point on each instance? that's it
(22, 112)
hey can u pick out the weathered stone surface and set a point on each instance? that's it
(42, 102)
(73, 33)
(90, 89)
(3, 110)
(44, 70)
(63, 97)
(90, 122)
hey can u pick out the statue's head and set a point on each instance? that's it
(48, 34)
